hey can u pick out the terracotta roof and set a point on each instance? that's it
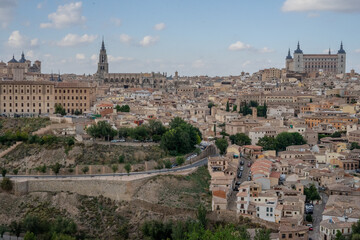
(219, 193)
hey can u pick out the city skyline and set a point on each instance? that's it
(192, 38)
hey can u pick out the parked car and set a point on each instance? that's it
(249, 178)
(357, 170)
(241, 168)
(249, 164)
(238, 183)
(240, 175)
(310, 229)
(241, 162)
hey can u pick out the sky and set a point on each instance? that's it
(202, 37)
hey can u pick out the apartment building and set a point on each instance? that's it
(26, 97)
(39, 97)
(75, 96)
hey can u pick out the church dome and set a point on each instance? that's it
(13, 60)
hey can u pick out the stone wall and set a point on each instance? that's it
(114, 189)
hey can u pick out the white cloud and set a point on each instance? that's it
(239, 46)
(30, 54)
(357, 50)
(124, 38)
(34, 42)
(266, 50)
(116, 21)
(159, 26)
(321, 5)
(40, 5)
(118, 59)
(93, 57)
(246, 63)
(6, 12)
(80, 56)
(74, 39)
(65, 16)
(16, 40)
(198, 64)
(148, 40)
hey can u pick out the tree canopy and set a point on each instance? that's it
(240, 139)
(102, 130)
(221, 144)
(281, 141)
(181, 137)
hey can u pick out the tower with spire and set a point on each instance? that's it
(341, 60)
(298, 59)
(103, 66)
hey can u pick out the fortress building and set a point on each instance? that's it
(312, 63)
(18, 69)
(127, 80)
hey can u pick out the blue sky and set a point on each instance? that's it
(194, 37)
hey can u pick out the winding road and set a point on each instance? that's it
(198, 163)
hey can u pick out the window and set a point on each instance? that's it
(290, 235)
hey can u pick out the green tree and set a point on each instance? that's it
(156, 128)
(268, 143)
(210, 106)
(16, 228)
(262, 234)
(59, 109)
(240, 139)
(123, 231)
(355, 230)
(311, 193)
(167, 163)
(60, 236)
(124, 132)
(254, 104)
(336, 135)
(180, 160)
(102, 130)
(121, 158)
(339, 236)
(227, 106)
(201, 215)
(286, 139)
(77, 112)
(124, 108)
(114, 168)
(29, 236)
(127, 168)
(354, 145)
(221, 144)
(6, 184)
(140, 133)
(181, 138)
(85, 169)
(3, 172)
(56, 168)
(308, 218)
(234, 108)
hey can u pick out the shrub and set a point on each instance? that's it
(6, 184)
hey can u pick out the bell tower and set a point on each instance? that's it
(103, 66)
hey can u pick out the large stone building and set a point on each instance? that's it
(312, 63)
(26, 97)
(16, 70)
(39, 97)
(127, 80)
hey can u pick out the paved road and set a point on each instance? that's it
(133, 144)
(199, 163)
(232, 199)
(317, 217)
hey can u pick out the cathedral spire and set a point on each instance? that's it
(329, 51)
(103, 44)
